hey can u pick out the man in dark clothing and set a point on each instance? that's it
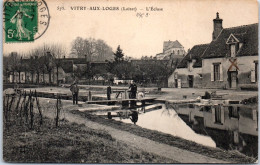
(109, 91)
(75, 92)
(133, 90)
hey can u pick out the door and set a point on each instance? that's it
(179, 83)
(190, 79)
(176, 83)
(233, 76)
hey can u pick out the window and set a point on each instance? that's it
(190, 66)
(256, 71)
(218, 115)
(233, 50)
(233, 111)
(216, 68)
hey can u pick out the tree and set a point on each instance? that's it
(103, 51)
(85, 47)
(119, 55)
(91, 49)
(120, 67)
(58, 51)
(13, 62)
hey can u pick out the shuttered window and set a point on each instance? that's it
(218, 114)
(254, 72)
(216, 72)
(233, 50)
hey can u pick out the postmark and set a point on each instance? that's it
(25, 21)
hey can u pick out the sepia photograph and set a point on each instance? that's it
(120, 81)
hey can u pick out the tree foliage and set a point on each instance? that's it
(91, 49)
(119, 55)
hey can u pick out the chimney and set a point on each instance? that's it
(217, 23)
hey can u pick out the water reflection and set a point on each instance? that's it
(167, 120)
(232, 127)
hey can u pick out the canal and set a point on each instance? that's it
(227, 126)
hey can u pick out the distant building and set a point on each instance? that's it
(35, 70)
(171, 49)
(189, 71)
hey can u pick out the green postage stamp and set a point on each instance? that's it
(20, 21)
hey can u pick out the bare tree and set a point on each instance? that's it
(104, 52)
(58, 52)
(92, 49)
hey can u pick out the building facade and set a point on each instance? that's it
(171, 49)
(230, 61)
(189, 71)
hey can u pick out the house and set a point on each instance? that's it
(171, 49)
(231, 59)
(189, 71)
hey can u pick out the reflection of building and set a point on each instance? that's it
(230, 126)
(171, 49)
(229, 61)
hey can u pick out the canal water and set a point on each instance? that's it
(168, 121)
(230, 127)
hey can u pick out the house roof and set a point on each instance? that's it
(195, 53)
(67, 66)
(171, 44)
(247, 34)
(76, 60)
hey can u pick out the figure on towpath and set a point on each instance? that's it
(75, 92)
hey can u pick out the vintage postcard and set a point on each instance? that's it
(120, 81)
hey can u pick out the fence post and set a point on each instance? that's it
(39, 107)
(31, 111)
(89, 96)
(57, 107)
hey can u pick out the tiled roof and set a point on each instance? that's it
(171, 44)
(195, 53)
(67, 66)
(247, 34)
(76, 60)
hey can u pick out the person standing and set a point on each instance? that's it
(133, 90)
(75, 92)
(109, 91)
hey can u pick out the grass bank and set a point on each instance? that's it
(68, 143)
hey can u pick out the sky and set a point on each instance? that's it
(188, 21)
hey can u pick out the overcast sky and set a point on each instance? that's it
(188, 21)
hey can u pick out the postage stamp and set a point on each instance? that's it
(21, 21)
(25, 21)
